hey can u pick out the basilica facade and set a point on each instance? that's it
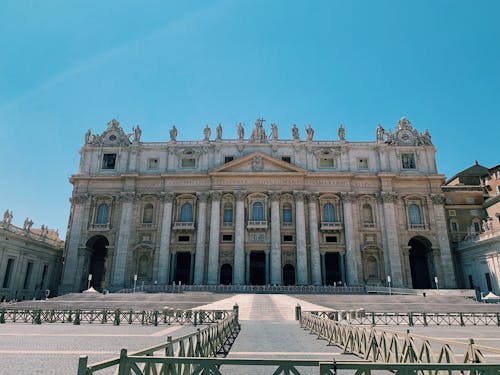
(257, 210)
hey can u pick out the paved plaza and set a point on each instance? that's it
(268, 328)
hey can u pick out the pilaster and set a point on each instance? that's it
(239, 240)
(276, 278)
(213, 247)
(300, 234)
(199, 266)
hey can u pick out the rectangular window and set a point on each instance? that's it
(287, 159)
(454, 226)
(408, 161)
(184, 238)
(108, 161)
(488, 281)
(363, 163)
(8, 273)
(331, 239)
(326, 162)
(287, 238)
(153, 163)
(227, 159)
(287, 215)
(27, 276)
(228, 215)
(188, 163)
(227, 238)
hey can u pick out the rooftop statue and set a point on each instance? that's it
(341, 132)
(173, 134)
(380, 133)
(219, 132)
(241, 131)
(309, 133)
(295, 133)
(206, 133)
(274, 132)
(258, 132)
(137, 133)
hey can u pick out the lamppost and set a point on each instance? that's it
(437, 283)
(135, 281)
(89, 280)
(389, 282)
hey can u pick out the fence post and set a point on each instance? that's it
(77, 317)
(155, 315)
(122, 366)
(236, 310)
(195, 318)
(117, 317)
(82, 365)
(373, 319)
(462, 323)
(410, 319)
(424, 316)
(498, 319)
(2, 316)
(38, 318)
(298, 312)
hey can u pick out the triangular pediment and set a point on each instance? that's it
(257, 162)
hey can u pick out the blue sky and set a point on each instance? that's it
(66, 66)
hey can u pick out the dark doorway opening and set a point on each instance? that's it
(183, 267)
(288, 274)
(226, 274)
(97, 268)
(257, 268)
(421, 260)
(332, 269)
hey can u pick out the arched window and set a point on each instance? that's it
(367, 214)
(415, 214)
(102, 214)
(258, 211)
(287, 213)
(186, 213)
(329, 213)
(228, 213)
(147, 215)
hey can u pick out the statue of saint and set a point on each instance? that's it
(380, 133)
(88, 135)
(173, 134)
(295, 133)
(219, 132)
(258, 133)
(206, 133)
(274, 132)
(27, 224)
(241, 131)
(341, 132)
(137, 133)
(309, 133)
(7, 217)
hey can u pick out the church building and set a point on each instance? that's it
(260, 209)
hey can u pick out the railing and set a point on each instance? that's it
(146, 365)
(211, 341)
(330, 225)
(115, 317)
(252, 224)
(361, 317)
(99, 227)
(377, 345)
(183, 225)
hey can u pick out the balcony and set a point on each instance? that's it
(257, 224)
(368, 225)
(287, 224)
(183, 225)
(100, 227)
(417, 227)
(331, 225)
(150, 226)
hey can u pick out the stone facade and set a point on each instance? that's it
(258, 209)
(30, 260)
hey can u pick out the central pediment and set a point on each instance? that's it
(257, 162)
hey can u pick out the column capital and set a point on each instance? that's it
(274, 195)
(167, 197)
(438, 199)
(79, 198)
(202, 196)
(215, 195)
(389, 196)
(299, 195)
(348, 196)
(240, 195)
(127, 197)
(313, 197)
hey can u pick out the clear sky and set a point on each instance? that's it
(66, 66)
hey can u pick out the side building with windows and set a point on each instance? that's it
(30, 260)
(473, 216)
(258, 209)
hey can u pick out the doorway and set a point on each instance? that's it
(97, 268)
(421, 262)
(183, 267)
(288, 274)
(332, 269)
(226, 274)
(257, 268)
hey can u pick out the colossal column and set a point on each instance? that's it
(213, 247)
(121, 252)
(275, 239)
(164, 253)
(199, 266)
(300, 233)
(444, 245)
(313, 231)
(390, 228)
(239, 239)
(350, 248)
(69, 284)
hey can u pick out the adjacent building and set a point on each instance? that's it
(257, 209)
(30, 260)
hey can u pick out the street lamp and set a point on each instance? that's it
(89, 280)
(389, 282)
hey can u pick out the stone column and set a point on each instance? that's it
(69, 284)
(173, 265)
(342, 268)
(213, 247)
(350, 241)
(275, 239)
(385, 242)
(121, 253)
(191, 268)
(239, 240)
(199, 266)
(444, 244)
(390, 229)
(313, 231)
(267, 252)
(300, 234)
(323, 269)
(247, 278)
(166, 226)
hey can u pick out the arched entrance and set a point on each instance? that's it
(332, 268)
(288, 274)
(421, 262)
(257, 268)
(97, 268)
(226, 274)
(183, 267)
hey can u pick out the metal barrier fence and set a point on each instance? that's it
(211, 341)
(411, 318)
(141, 365)
(116, 317)
(381, 345)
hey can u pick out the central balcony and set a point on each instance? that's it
(257, 224)
(183, 225)
(331, 225)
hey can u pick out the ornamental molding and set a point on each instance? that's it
(299, 195)
(203, 196)
(240, 195)
(127, 197)
(404, 135)
(348, 196)
(79, 198)
(113, 136)
(389, 196)
(167, 197)
(438, 199)
(216, 195)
